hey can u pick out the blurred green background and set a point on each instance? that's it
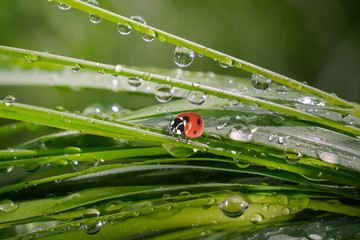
(313, 41)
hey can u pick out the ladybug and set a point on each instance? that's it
(189, 124)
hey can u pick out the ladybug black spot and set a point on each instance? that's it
(194, 132)
(198, 121)
(186, 119)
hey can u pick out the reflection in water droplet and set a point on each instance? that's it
(292, 156)
(148, 37)
(63, 6)
(7, 205)
(178, 151)
(31, 57)
(134, 81)
(259, 82)
(9, 100)
(241, 133)
(328, 156)
(234, 207)
(76, 67)
(256, 218)
(124, 29)
(164, 92)
(183, 57)
(92, 228)
(196, 98)
(225, 62)
(94, 18)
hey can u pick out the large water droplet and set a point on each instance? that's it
(178, 151)
(241, 133)
(164, 92)
(124, 29)
(92, 228)
(328, 156)
(183, 57)
(259, 82)
(225, 62)
(234, 207)
(31, 57)
(310, 100)
(196, 98)
(94, 18)
(148, 37)
(292, 156)
(76, 67)
(256, 218)
(63, 6)
(134, 81)
(138, 19)
(9, 100)
(7, 205)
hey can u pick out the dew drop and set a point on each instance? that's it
(256, 218)
(225, 62)
(124, 29)
(221, 125)
(234, 207)
(92, 228)
(118, 68)
(233, 102)
(259, 82)
(166, 196)
(31, 57)
(138, 19)
(148, 37)
(270, 138)
(200, 54)
(286, 211)
(328, 156)
(281, 140)
(147, 76)
(292, 156)
(196, 98)
(242, 163)
(177, 151)
(9, 100)
(162, 38)
(185, 194)
(63, 6)
(238, 64)
(94, 18)
(164, 92)
(76, 67)
(134, 81)
(7, 205)
(241, 133)
(183, 57)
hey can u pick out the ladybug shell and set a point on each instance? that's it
(193, 124)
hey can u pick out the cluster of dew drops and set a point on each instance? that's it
(183, 57)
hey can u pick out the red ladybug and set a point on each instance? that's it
(189, 124)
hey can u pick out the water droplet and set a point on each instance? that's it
(134, 81)
(138, 19)
(225, 62)
(328, 156)
(147, 76)
(183, 57)
(161, 38)
(286, 211)
(83, 165)
(242, 163)
(92, 228)
(76, 67)
(270, 138)
(94, 18)
(63, 6)
(32, 168)
(238, 64)
(166, 196)
(233, 102)
(9, 100)
(148, 37)
(241, 133)
(118, 68)
(177, 151)
(200, 54)
(256, 218)
(164, 92)
(310, 100)
(7, 205)
(234, 207)
(281, 140)
(196, 98)
(259, 82)
(221, 125)
(185, 194)
(292, 156)
(124, 29)
(31, 57)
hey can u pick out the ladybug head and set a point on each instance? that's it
(177, 126)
